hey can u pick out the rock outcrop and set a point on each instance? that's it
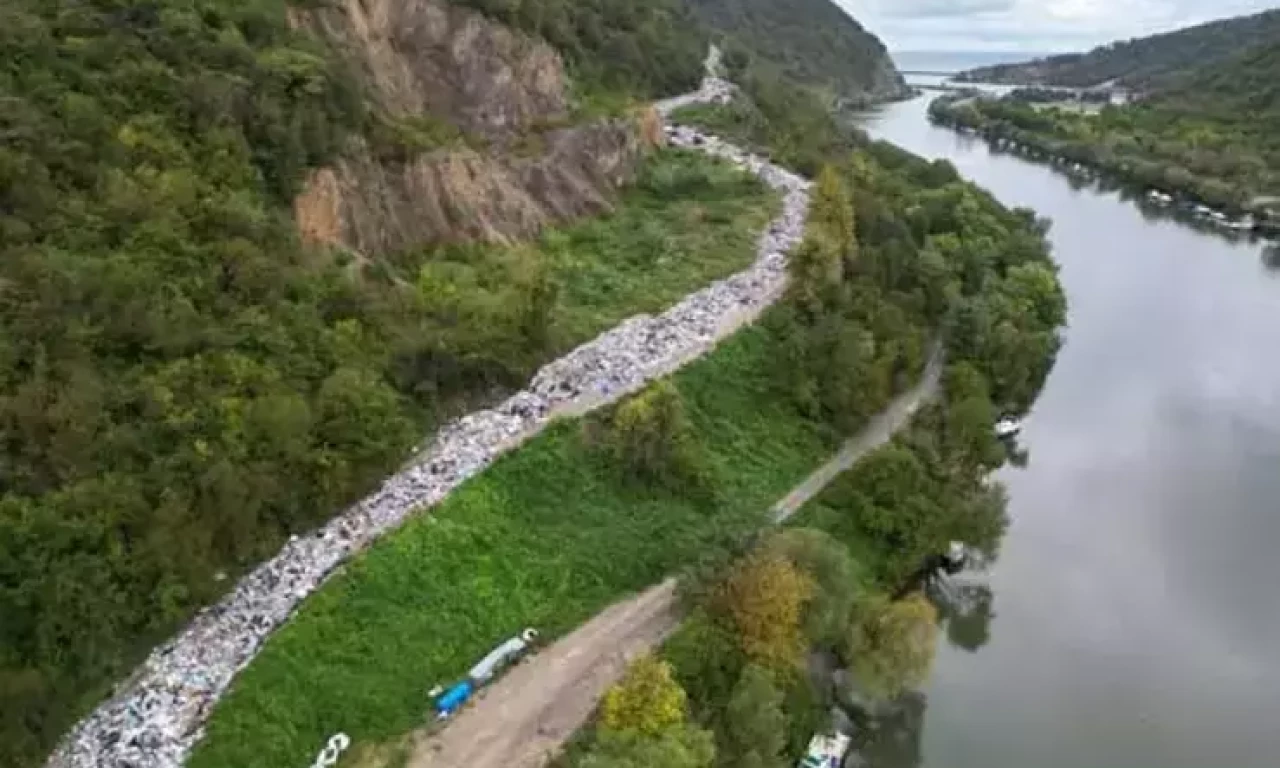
(427, 57)
(372, 207)
(503, 90)
(160, 713)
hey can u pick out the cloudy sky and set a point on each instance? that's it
(1032, 25)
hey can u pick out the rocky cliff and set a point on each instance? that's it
(519, 160)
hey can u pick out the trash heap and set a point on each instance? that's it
(159, 713)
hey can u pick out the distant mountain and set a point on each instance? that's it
(813, 42)
(955, 61)
(1144, 64)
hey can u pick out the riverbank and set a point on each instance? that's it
(1120, 625)
(1085, 147)
(512, 548)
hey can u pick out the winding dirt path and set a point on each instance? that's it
(524, 719)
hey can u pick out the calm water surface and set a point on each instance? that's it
(1137, 598)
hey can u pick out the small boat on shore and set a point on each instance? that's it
(1008, 427)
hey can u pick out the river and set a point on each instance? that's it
(1136, 619)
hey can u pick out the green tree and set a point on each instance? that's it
(755, 727)
(650, 436)
(707, 660)
(677, 746)
(835, 577)
(647, 701)
(891, 644)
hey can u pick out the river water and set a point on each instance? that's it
(1136, 617)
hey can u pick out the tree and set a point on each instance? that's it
(831, 214)
(707, 661)
(835, 580)
(755, 727)
(646, 701)
(651, 438)
(891, 644)
(764, 596)
(677, 746)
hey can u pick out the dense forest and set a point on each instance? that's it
(182, 384)
(645, 49)
(813, 43)
(1142, 64)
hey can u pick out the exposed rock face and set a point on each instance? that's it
(160, 713)
(425, 57)
(375, 207)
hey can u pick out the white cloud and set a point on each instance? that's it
(1032, 25)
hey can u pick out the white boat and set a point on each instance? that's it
(1008, 427)
(825, 751)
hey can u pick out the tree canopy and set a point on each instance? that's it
(647, 700)
(891, 645)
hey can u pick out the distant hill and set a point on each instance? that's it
(810, 41)
(1244, 87)
(1145, 64)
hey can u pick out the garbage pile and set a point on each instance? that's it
(157, 715)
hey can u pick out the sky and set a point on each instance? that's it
(1033, 26)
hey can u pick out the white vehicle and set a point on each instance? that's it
(1008, 427)
(825, 751)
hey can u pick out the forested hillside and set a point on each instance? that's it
(1210, 136)
(182, 383)
(811, 42)
(647, 48)
(1243, 87)
(1142, 64)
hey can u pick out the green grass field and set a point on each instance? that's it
(545, 538)
(688, 220)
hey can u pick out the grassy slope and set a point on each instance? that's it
(640, 259)
(546, 538)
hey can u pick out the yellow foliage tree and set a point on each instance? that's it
(765, 596)
(891, 644)
(647, 700)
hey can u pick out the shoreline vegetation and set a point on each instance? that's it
(736, 686)
(1217, 170)
(683, 474)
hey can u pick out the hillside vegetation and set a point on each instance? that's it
(182, 385)
(899, 249)
(1212, 136)
(736, 668)
(1143, 64)
(813, 43)
(646, 49)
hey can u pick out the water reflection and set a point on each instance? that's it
(1271, 258)
(1137, 621)
(893, 740)
(965, 614)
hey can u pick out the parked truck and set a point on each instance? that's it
(450, 700)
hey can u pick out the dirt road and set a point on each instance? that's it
(522, 720)
(875, 434)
